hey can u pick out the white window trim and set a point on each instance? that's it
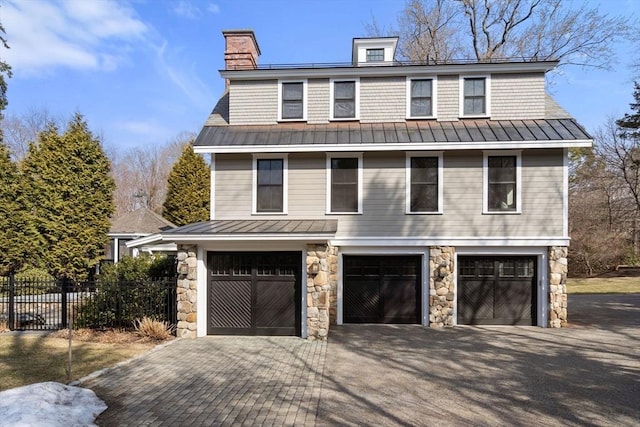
(487, 91)
(409, 155)
(304, 100)
(485, 181)
(360, 184)
(331, 100)
(285, 183)
(434, 97)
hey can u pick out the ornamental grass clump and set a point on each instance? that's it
(153, 329)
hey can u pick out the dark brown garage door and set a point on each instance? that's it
(497, 290)
(381, 289)
(254, 293)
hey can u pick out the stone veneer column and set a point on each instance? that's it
(441, 286)
(187, 292)
(321, 290)
(557, 286)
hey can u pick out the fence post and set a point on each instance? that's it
(63, 300)
(12, 307)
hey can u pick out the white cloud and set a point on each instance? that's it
(76, 34)
(183, 76)
(186, 9)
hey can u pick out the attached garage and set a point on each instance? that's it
(497, 290)
(254, 293)
(381, 289)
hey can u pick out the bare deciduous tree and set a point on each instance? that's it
(488, 30)
(20, 131)
(141, 174)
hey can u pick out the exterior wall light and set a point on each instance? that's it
(314, 268)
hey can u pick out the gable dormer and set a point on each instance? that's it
(374, 51)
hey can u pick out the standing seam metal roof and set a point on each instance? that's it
(419, 132)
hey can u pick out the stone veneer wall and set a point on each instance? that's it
(321, 290)
(441, 286)
(187, 292)
(557, 286)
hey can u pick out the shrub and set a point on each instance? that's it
(153, 329)
(129, 290)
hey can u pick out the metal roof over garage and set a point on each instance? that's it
(352, 135)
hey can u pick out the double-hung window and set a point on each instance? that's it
(344, 99)
(270, 185)
(375, 55)
(502, 193)
(474, 96)
(292, 105)
(424, 183)
(421, 97)
(344, 184)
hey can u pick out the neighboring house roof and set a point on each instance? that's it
(141, 221)
(349, 134)
(305, 229)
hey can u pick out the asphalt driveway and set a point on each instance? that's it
(587, 374)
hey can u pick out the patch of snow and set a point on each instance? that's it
(50, 403)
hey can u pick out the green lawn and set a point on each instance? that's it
(603, 285)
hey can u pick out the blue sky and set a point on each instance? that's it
(142, 71)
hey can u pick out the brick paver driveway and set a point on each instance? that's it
(587, 374)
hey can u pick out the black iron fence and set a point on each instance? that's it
(33, 304)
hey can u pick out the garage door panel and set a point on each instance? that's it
(230, 304)
(274, 306)
(497, 290)
(475, 301)
(361, 301)
(382, 289)
(400, 300)
(254, 293)
(513, 300)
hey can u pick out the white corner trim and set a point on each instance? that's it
(565, 191)
(212, 190)
(201, 324)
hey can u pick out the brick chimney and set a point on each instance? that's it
(241, 50)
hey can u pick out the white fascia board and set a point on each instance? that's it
(387, 70)
(151, 239)
(451, 241)
(127, 235)
(189, 238)
(416, 146)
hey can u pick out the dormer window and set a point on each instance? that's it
(375, 55)
(474, 96)
(292, 103)
(421, 98)
(344, 99)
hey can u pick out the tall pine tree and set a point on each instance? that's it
(71, 193)
(19, 240)
(188, 190)
(630, 124)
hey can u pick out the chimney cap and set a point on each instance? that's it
(243, 31)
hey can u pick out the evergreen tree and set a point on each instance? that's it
(71, 194)
(630, 124)
(18, 238)
(188, 190)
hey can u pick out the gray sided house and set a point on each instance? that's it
(378, 192)
(134, 225)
